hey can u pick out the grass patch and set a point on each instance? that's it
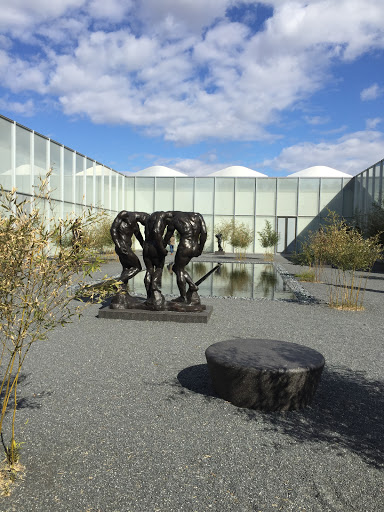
(308, 276)
(9, 476)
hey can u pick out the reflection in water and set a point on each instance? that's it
(231, 279)
(267, 280)
(238, 281)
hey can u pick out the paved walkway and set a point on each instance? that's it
(120, 416)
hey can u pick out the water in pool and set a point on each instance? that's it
(254, 281)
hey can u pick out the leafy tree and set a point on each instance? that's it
(353, 256)
(39, 278)
(241, 236)
(268, 239)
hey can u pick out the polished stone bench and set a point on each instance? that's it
(267, 375)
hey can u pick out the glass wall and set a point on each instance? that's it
(204, 195)
(129, 195)
(287, 196)
(309, 196)
(6, 153)
(99, 185)
(41, 166)
(331, 196)
(224, 196)
(89, 182)
(23, 159)
(164, 194)
(368, 188)
(265, 196)
(245, 196)
(107, 188)
(348, 195)
(144, 194)
(56, 171)
(184, 194)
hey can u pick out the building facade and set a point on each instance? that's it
(293, 205)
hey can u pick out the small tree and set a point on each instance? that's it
(98, 236)
(240, 238)
(348, 251)
(344, 248)
(38, 278)
(268, 239)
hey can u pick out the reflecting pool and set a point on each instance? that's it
(253, 281)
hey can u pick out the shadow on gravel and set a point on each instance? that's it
(30, 402)
(347, 412)
(196, 378)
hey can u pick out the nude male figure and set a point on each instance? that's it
(154, 253)
(193, 235)
(123, 228)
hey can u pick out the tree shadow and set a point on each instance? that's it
(24, 402)
(347, 411)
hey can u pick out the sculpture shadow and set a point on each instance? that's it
(347, 412)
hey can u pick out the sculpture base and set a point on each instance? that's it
(219, 252)
(186, 316)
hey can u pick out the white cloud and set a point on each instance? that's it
(316, 120)
(20, 75)
(351, 153)
(25, 109)
(181, 69)
(22, 14)
(343, 28)
(371, 124)
(371, 93)
(174, 16)
(110, 9)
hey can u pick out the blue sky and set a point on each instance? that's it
(198, 85)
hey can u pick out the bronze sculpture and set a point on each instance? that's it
(123, 228)
(159, 229)
(193, 235)
(219, 237)
(154, 252)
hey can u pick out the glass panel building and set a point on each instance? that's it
(293, 205)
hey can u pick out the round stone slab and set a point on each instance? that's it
(267, 375)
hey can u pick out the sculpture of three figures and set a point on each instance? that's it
(159, 228)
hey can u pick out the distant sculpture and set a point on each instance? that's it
(154, 256)
(193, 235)
(219, 237)
(123, 227)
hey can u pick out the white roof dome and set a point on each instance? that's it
(159, 170)
(319, 171)
(238, 171)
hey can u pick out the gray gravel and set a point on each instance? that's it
(119, 416)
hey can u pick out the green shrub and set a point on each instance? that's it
(37, 286)
(269, 238)
(344, 248)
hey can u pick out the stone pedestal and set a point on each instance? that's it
(268, 375)
(185, 317)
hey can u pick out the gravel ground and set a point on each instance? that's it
(119, 416)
